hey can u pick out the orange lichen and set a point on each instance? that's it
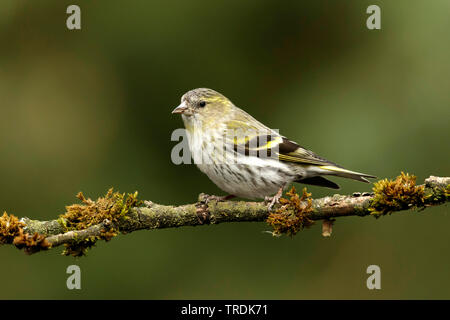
(12, 231)
(31, 243)
(112, 207)
(79, 248)
(10, 226)
(293, 214)
(399, 194)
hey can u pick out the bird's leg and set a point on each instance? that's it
(274, 199)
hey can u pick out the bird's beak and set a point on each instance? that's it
(182, 108)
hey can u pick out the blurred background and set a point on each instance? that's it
(91, 109)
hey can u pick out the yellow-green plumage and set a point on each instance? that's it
(244, 157)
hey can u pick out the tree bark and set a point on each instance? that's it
(205, 212)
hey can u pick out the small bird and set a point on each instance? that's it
(245, 158)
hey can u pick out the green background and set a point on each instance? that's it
(91, 109)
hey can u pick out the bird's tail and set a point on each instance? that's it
(341, 172)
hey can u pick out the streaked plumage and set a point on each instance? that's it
(242, 156)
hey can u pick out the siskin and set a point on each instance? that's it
(245, 158)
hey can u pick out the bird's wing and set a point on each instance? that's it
(290, 151)
(253, 138)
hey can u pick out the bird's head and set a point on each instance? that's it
(203, 106)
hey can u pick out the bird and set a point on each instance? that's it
(244, 157)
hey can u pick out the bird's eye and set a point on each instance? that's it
(202, 104)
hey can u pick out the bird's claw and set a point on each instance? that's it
(271, 201)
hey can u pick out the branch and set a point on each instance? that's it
(84, 224)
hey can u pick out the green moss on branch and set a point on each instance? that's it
(84, 224)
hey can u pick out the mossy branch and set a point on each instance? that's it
(83, 224)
